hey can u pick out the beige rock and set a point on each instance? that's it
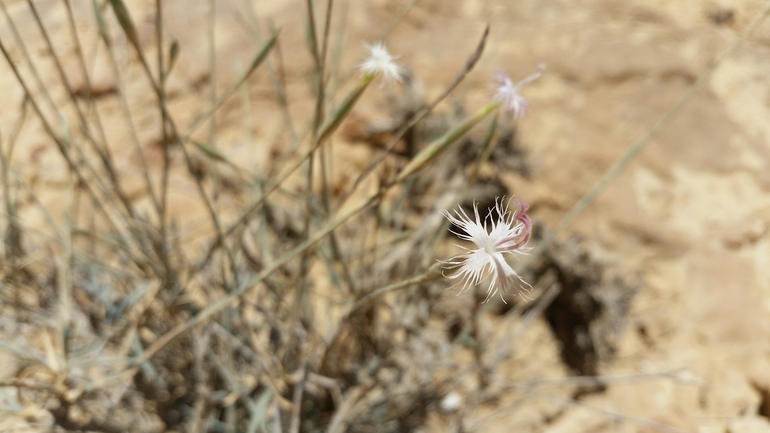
(752, 424)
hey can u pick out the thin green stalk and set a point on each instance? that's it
(258, 59)
(487, 146)
(325, 153)
(212, 140)
(66, 271)
(397, 18)
(300, 297)
(439, 145)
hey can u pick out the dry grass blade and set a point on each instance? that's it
(13, 241)
(223, 302)
(258, 59)
(73, 166)
(613, 415)
(21, 353)
(101, 148)
(337, 117)
(104, 32)
(35, 74)
(125, 21)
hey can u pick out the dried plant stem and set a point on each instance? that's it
(12, 238)
(611, 414)
(164, 118)
(102, 151)
(108, 194)
(432, 151)
(258, 59)
(87, 81)
(540, 305)
(478, 345)
(487, 146)
(433, 273)
(298, 392)
(20, 42)
(128, 27)
(326, 130)
(223, 302)
(82, 180)
(397, 18)
(673, 375)
(232, 296)
(46, 214)
(276, 73)
(123, 98)
(300, 298)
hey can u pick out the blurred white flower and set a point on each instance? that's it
(508, 91)
(451, 402)
(508, 234)
(380, 60)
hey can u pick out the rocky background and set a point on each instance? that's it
(683, 231)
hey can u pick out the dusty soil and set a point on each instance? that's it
(691, 214)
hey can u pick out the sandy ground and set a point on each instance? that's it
(691, 213)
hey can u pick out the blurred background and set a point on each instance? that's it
(657, 296)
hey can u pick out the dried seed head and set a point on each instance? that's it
(381, 61)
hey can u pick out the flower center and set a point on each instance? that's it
(488, 245)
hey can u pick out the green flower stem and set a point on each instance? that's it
(343, 109)
(438, 146)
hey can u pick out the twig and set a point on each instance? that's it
(299, 390)
(613, 415)
(673, 375)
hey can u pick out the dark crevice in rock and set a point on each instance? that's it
(588, 314)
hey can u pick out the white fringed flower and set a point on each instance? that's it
(508, 235)
(508, 92)
(381, 61)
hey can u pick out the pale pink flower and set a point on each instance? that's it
(508, 92)
(509, 234)
(381, 61)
